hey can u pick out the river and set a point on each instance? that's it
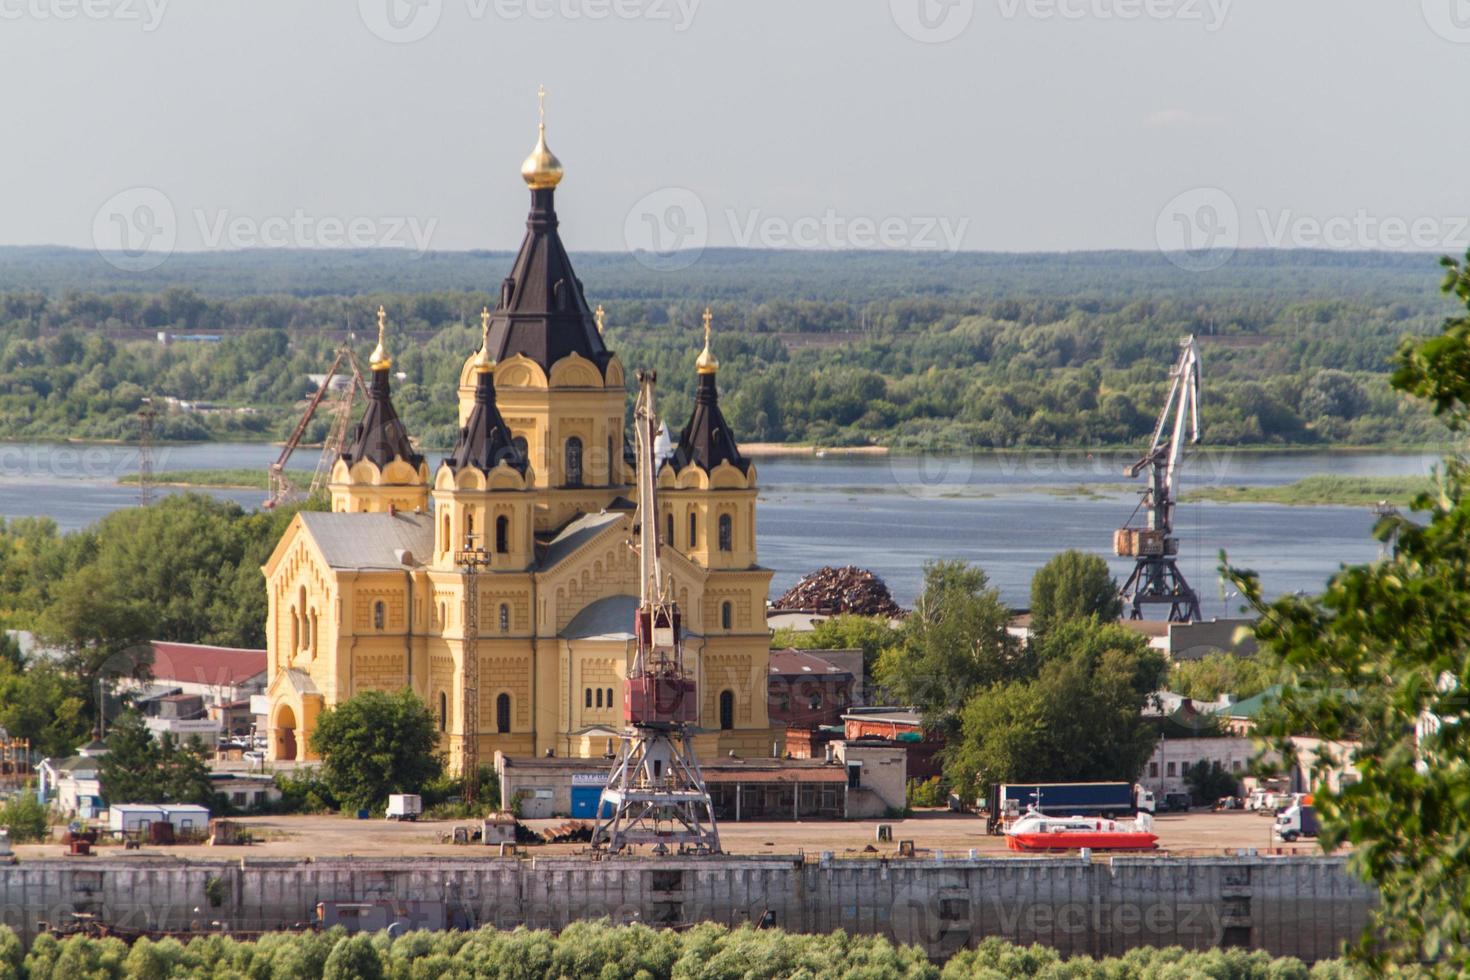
(1007, 513)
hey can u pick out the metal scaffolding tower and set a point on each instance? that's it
(281, 488)
(655, 793)
(1156, 579)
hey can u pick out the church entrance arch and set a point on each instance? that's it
(286, 735)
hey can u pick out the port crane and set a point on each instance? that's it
(1156, 579)
(280, 487)
(655, 793)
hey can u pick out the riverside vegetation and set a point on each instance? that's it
(960, 353)
(598, 951)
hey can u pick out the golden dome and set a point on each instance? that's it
(541, 170)
(482, 360)
(706, 362)
(380, 361)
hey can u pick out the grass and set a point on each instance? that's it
(239, 478)
(1345, 491)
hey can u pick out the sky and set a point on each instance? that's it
(998, 125)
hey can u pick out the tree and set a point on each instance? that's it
(954, 642)
(1378, 660)
(45, 704)
(375, 744)
(141, 769)
(1223, 673)
(1079, 718)
(1073, 585)
(25, 817)
(1208, 781)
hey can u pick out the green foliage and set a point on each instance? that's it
(926, 793)
(12, 954)
(46, 704)
(599, 951)
(1208, 781)
(139, 768)
(954, 641)
(1220, 673)
(1379, 659)
(25, 817)
(1078, 718)
(1073, 585)
(1319, 490)
(375, 744)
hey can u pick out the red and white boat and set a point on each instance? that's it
(1037, 832)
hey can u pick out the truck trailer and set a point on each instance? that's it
(1007, 801)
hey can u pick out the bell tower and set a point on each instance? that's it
(380, 469)
(560, 389)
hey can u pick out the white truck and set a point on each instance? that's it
(405, 806)
(1297, 820)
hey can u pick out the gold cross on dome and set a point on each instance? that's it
(485, 319)
(600, 314)
(382, 324)
(708, 316)
(541, 104)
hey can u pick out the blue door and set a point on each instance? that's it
(585, 800)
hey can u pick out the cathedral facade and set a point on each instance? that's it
(539, 486)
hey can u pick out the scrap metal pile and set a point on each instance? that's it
(830, 591)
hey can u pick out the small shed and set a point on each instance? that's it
(499, 828)
(133, 818)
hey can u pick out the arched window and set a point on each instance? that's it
(443, 615)
(502, 713)
(599, 697)
(295, 630)
(502, 534)
(469, 530)
(611, 463)
(726, 615)
(587, 698)
(727, 533)
(443, 711)
(304, 640)
(445, 542)
(727, 710)
(669, 534)
(378, 615)
(504, 618)
(523, 449)
(609, 698)
(693, 528)
(313, 634)
(574, 462)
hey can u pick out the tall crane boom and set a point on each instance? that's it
(1156, 579)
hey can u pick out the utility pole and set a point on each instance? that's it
(471, 561)
(145, 452)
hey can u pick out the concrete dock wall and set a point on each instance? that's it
(1305, 907)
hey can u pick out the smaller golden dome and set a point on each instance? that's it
(706, 363)
(380, 361)
(483, 362)
(542, 170)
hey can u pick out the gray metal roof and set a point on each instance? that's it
(576, 534)
(610, 618)
(370, 540)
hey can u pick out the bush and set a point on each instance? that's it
(930, 792)
(26, 817)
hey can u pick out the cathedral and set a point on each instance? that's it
(539, 487)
